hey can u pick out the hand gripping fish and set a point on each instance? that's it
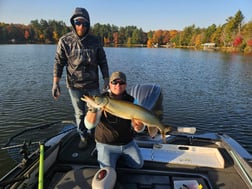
(127, 110)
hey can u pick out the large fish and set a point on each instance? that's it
(127, 110)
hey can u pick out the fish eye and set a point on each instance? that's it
(98, 99)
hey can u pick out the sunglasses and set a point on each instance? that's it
(118, 82)
(83, 23)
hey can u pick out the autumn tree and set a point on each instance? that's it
(233, 34)
(237, 41)
(165, 37)
(216, 36)
(196, 37)
(157, 37)
(232, 27)
(115, 38)
(208, 33)
(247, 31)
(173, 33)
(186, 35)
(149, 41)
(26, 34)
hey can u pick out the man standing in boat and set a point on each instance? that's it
(114, 135)
(82, 54)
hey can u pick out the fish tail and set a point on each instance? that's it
(164, 131)
(167, 129)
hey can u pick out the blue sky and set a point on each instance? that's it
(145, 14)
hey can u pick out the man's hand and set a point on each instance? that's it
(138, 126)
(106, 85)
(56, 90)
(91, 108)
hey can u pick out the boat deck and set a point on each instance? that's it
(75, 169)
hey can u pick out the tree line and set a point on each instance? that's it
(233, 35)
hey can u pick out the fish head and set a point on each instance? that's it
(101, 100)
(95, 101)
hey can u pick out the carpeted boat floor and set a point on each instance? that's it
(71, 153)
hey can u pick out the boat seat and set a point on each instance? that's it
(184, 155)
(150, 97)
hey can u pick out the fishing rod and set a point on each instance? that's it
(41, 166)
(30, 129)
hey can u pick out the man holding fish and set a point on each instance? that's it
(113, 134)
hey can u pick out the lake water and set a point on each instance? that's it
(208, 90)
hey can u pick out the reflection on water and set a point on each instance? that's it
(208, 90)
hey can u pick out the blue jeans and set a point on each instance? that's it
(80, 107)
(109, 154)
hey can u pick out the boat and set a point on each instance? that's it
(48, 157)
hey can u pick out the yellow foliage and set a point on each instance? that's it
(55, 36)
(149, 43)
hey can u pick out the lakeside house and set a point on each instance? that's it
(209, 46)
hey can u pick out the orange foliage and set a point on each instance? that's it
(249, 42)
(163, 36)
(173, 33)
(198, 40)
(41, 37)
(149, 43)
(55, 36)
(157, 36)
(106, 40)
(115, 38)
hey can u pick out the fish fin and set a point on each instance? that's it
(152, 131)
(105, 113)
(163, 137)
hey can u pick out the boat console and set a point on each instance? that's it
(150, 97)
